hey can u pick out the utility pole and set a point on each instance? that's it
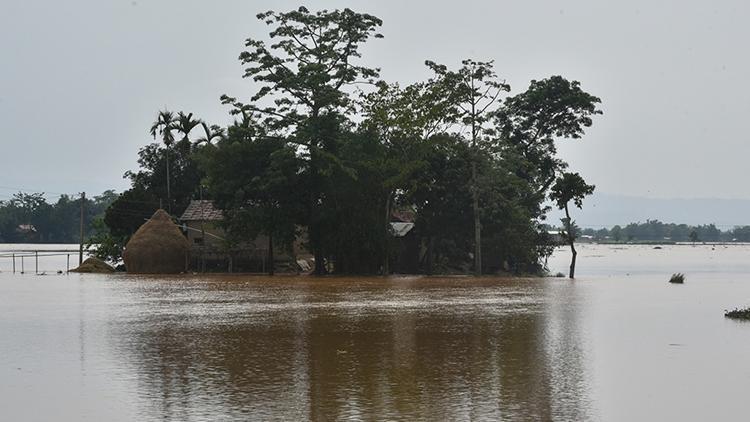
(80, 243)
(169, 195)
(203, 232)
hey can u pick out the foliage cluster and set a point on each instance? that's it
(326, 151)
(29, 218)
(655, 230)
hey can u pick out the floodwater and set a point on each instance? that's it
(617, 344)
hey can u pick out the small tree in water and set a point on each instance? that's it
(570, 187)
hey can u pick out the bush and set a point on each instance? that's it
(678, 278)
(738, 313)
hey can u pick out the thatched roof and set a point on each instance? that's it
(158, 247)
(93, 265)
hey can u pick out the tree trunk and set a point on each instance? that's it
(319, 267)
(474, 188)
(573, 261)
(387, 237)
(477, 222)
(270, 254)
(571, 242)
(430, 255)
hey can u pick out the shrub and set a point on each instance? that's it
(738, 313)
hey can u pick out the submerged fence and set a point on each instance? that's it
(18, 261)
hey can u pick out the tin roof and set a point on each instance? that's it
(201, 210)
(401, 229)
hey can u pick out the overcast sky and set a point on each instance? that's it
(81, 81)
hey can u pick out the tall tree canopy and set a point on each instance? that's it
(302, 77)
(323, 150)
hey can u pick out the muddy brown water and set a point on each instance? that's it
(618, 343)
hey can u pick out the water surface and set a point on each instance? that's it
(618, 343)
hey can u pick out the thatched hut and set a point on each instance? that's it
(158, 247)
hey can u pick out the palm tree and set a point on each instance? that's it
(212, 132)
(163, 126)
(184, 123)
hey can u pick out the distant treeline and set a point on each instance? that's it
(29, 218)
(655, 230)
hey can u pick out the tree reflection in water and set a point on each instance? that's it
(402, 348)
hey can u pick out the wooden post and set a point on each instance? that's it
(36, 262)
(67, 268)
(22, 271)
(14, 263)
(80, 241)
(270, 254)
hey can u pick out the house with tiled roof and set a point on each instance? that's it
(201, 223)
(202, 210)
(210, 251)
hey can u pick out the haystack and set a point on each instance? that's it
(93, 265)
(158, 247)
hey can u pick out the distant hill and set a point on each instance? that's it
(606, 210)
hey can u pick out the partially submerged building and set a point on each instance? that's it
(210, 250)
(201, 221)
(407, 251)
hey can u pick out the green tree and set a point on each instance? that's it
(103, 244)
(528, 124)
(472, 92)
(570, 187)
(129, 211)
(134, 206)
(164, 125)
(741, 234)
(184, 124)
(211, 133)
(616, 233)
(402, 120)
(441, 196)
(254, 180)
(304, 72)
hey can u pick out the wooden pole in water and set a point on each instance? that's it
(14, 263)
(22, 271)
(80, 240)
(36, 262)
(67, 268)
